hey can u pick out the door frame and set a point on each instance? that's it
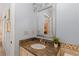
(12, 36)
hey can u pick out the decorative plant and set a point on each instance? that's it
(56, 40)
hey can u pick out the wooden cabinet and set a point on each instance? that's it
(67, 52)
(24, 52)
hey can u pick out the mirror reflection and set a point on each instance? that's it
(44, 13)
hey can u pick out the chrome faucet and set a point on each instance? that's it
(42, 41)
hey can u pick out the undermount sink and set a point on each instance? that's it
(38, 46)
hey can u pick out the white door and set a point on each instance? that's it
(6, 35)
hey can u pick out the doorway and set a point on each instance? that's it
(2, 52)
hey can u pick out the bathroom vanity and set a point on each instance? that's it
(28, 47)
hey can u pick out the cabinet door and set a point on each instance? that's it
(29, 54)
(23, 52)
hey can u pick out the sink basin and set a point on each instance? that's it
(38, 46)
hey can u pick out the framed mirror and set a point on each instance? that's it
(45, 19)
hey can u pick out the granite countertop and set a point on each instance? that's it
(48, 51)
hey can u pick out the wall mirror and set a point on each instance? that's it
(45, 19)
